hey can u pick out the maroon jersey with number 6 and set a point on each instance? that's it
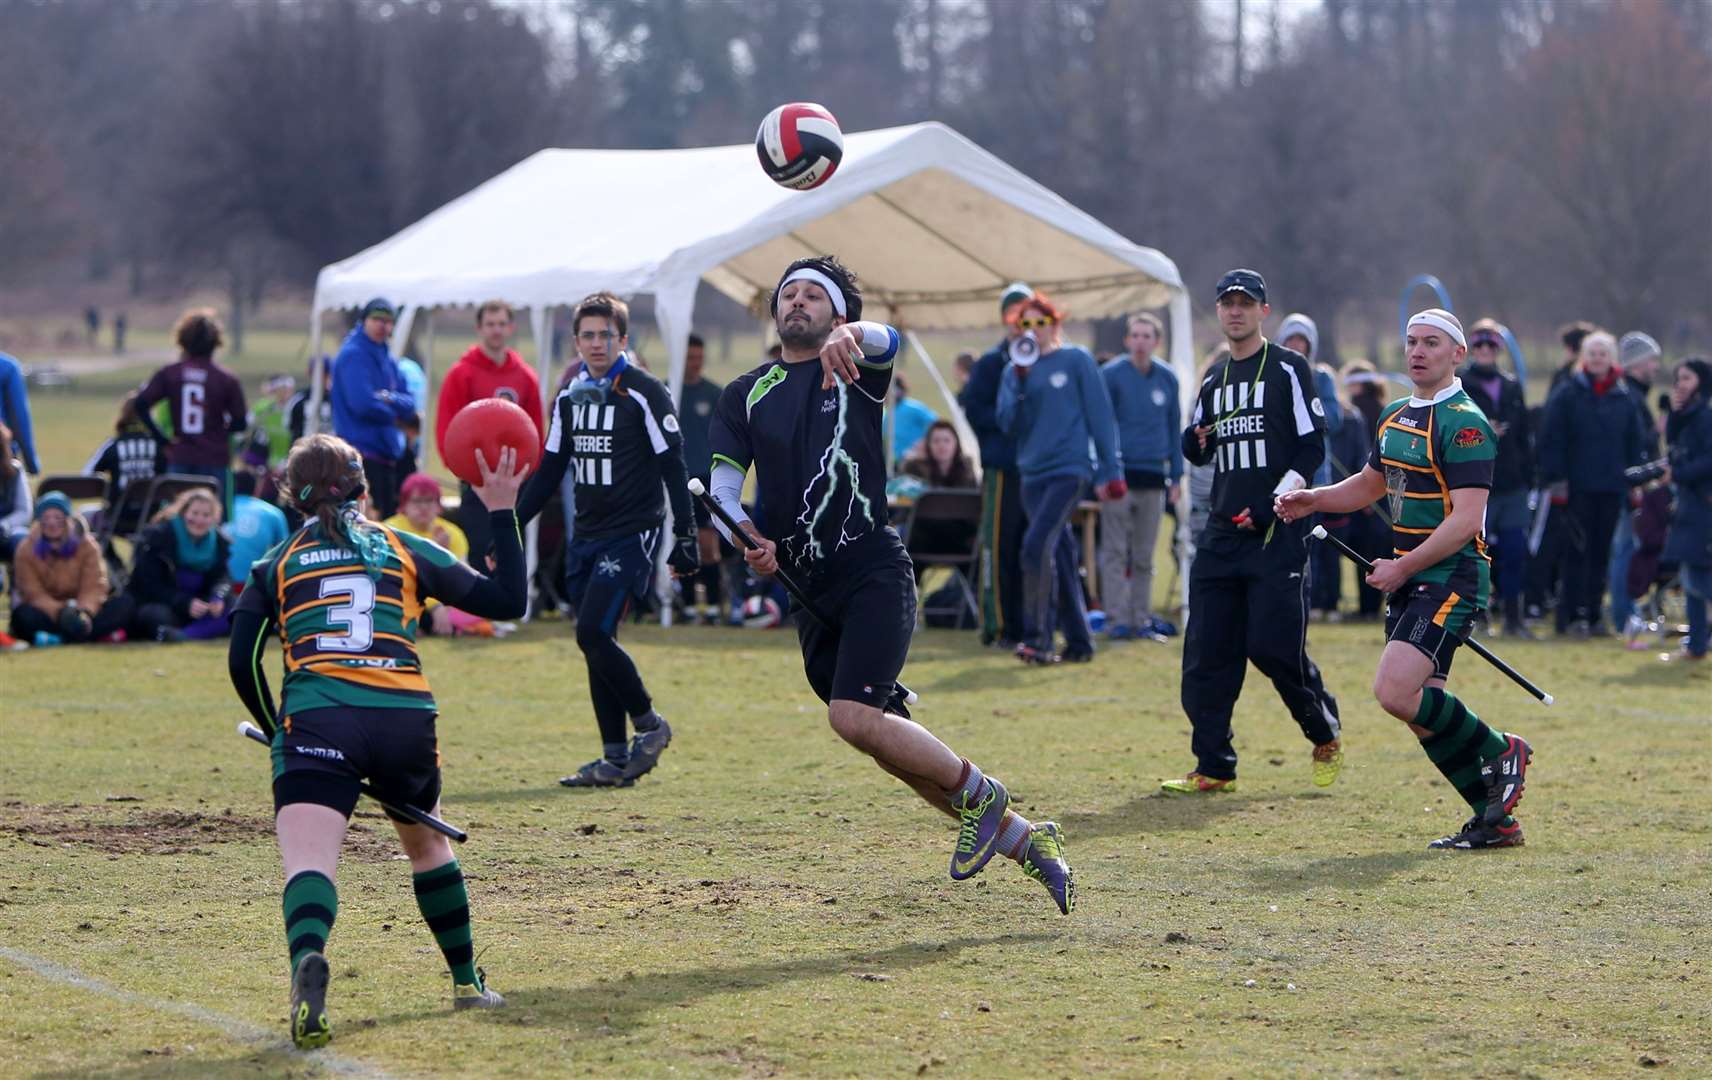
(207, 404)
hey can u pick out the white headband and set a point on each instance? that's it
(1440, 318)
(833, 292)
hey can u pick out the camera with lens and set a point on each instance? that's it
(1640, 475)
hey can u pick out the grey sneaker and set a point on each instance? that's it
(476, 995)
(598, 773)
(309, 1025)
(646, 748)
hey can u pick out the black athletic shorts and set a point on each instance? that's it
(868, 590)
(1434, 619)
(319, 755)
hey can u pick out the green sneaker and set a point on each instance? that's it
(1044, 862)
(309, 1025)
(1196, 784)
(476, 995)
(1328, 762)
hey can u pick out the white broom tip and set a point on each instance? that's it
(1547, 699)
(1319, 532)
(697, 488)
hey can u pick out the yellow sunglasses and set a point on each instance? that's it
(1036, 322)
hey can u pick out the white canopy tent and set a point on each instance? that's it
(934, 225)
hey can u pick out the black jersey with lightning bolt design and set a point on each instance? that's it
(819, 455)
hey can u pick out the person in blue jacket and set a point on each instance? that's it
(1592, 432)
(1054, 403)
(1149, 417)
(370, 401)
(1002, 517)
(1688, 431)
(15, 414)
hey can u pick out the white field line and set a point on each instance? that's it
(241, 1031)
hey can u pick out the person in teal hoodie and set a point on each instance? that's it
(1054, 403)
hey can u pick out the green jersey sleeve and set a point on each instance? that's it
(1467, 446)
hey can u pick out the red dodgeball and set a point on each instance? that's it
(490, 424)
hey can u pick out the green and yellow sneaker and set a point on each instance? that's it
(1328, 762)
(476, 995)
(309, 1025)
(1196, 784)
(1044, 862)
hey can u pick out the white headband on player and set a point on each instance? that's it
(1442, 319)
(833, 292)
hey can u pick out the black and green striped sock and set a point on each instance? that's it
(445, 904)
(1459, 743)
(310, 903)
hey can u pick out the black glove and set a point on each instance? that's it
(685, 556)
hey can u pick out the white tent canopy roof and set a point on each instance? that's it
(934, 225)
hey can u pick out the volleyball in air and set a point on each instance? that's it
(799, 145)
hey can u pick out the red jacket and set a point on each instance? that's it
(474, 377)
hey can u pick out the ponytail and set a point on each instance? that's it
(324, 476)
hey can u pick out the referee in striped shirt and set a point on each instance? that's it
(1259, 423)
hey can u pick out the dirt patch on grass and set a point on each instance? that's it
(166, 831)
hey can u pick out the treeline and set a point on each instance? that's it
(1548, 159)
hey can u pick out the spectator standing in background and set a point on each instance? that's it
(17, 505)
(370, 401)
(961, 368)
(204, 399)
(1149, 418)
(132, 458)
(1570, 335)
(1551, 543)
(1325, 563)
(1688, 431)
(907, 419)
(1499, 395)
(91, 324)
(1301, 333)
(270, 422)
(178, 577)
(15, 414)
(695, 412)
(1638, 359)
(297, 409)
(1002, 517)
(1054, 402)
(489, 369)
(1592, 432)
(61, 592)
(119, 325)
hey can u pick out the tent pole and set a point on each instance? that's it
(965, 433)
(674, 310)
(538, 319)
(1188, 389)
(317, 369)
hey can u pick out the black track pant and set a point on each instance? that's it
(1592, 519)
(1249, 602)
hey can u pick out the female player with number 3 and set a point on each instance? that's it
(345, 596)
(1433, 460)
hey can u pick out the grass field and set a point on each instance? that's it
(767, 903)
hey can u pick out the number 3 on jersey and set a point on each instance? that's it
(355, 614)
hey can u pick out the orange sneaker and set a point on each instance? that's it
(1196, 784)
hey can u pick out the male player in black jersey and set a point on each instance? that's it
(614, 425)
(810, 425)
(1259, 422)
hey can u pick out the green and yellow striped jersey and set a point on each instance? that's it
(350, 639)
(1426, 450)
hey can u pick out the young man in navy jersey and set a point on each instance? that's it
(810, 424)
(1258, 421)
(615, 426)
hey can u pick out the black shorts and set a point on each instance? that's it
(1434, 619)
(319, 756)
(869, 592)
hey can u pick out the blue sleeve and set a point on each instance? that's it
(355, 390)
(980, 398)
(16, 406)
(1326, 387)
(1174, 418)
(402, 401)
(1102, 425)
(1010, 398)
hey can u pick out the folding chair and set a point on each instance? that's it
(169, 486)
(77, 488)
(959, 505)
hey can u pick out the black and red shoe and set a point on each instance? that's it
(1506, 777)
(1477, 834)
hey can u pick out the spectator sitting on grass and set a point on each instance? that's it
(61, 588)
(420, 515)
(257, 525)
(178, 579)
